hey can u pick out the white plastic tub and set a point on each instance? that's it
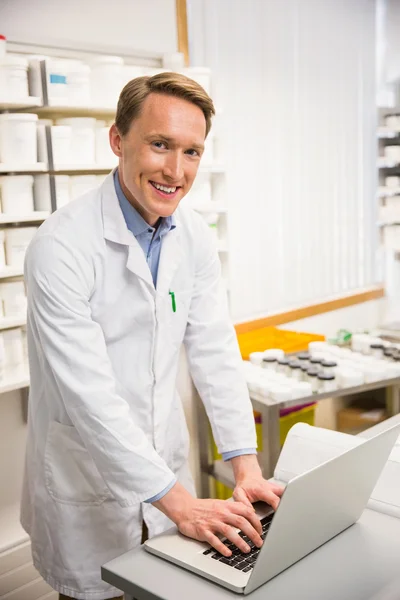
(17, 241)
(83, 138)
(18, 142)
(106, 80)
(42, 195)
(61, 140)
(16, 194)
(14, 78)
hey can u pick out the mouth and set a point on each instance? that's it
(165, 191)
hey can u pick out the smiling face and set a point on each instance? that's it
(160, 155)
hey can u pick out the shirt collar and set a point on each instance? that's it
(134, 221)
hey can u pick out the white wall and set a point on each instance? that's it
(296, 81)
(120, 25)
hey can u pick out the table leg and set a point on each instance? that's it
(269, 454)
(393, 400)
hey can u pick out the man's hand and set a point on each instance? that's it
(204, 520)
(251, 485)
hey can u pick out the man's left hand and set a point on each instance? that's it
(251, 485)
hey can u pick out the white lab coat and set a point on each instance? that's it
(106, 427)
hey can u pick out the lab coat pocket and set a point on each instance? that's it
(71, 474)
(177, 312)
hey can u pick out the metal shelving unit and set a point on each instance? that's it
(270, 413)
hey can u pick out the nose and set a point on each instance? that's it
(173, 166)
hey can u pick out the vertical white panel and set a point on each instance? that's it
(297, 82)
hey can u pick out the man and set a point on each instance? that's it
(116, 281)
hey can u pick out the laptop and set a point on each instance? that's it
(315, 507)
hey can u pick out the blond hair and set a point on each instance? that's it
(136, 91)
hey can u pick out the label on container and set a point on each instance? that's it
(55, 78)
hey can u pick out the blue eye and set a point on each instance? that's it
(160, 145)
(192, 152)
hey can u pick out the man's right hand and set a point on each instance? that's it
(204, 520)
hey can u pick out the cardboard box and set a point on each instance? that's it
(354, 420)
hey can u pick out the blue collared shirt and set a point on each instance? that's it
(150, 238)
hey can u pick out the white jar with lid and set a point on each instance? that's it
(13, 298)
(16, 194)
(14, 78)
(17, 241)
(269, 362)
(312, 376)
(13, 346)
(277, 353)
(106, 80)
(376, 350)
(61, 141)
(283, 366)
(328, 367)
(295, 370)
(326, 383)
(18, 143)
(83, 139)
(256, 358)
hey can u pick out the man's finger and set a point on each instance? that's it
(277, 489)
(240, 496)
(216, 543)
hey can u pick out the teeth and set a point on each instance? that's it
(163, 188)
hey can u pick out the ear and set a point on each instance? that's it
(115, 141)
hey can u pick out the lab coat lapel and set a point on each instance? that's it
(170, 259)
(115, 230)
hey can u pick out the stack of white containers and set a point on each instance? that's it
(364, 364)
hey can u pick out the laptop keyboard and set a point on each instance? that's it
(243, 561)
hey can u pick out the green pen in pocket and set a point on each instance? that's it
(172, 294)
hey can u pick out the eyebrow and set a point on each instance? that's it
(165, 138)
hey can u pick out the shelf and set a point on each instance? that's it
(15, 378)
(11, 272)
(11, 532)
(26, 103)
(28, 218)
(94, 168)
(36, 168)
(384, 133)
(387, 163)
(75, 111)
(387, 192)
(12, 322)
